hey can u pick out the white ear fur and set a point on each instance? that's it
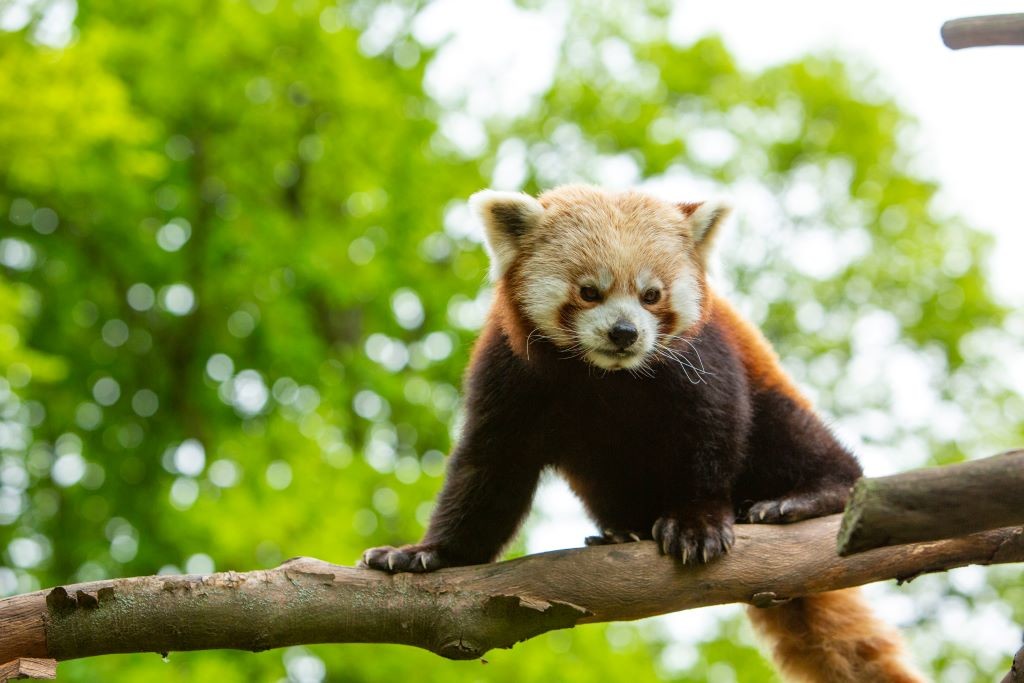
(705, 220)
(507, 217)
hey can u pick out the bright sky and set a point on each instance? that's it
(970, 103)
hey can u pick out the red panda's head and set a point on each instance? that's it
(608, 276)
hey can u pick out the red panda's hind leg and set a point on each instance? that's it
(797, 506)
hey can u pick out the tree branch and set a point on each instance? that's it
(459, 613)
(997, 29)
(934, 503)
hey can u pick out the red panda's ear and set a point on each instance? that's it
(704, 218)
(507, 217)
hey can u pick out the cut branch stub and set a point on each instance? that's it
(28, 667)
(934, 503)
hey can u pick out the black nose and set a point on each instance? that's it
(623, 334)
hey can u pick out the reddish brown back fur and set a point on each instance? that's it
(759, 358)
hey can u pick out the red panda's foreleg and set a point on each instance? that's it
(479, 510)
(491, 477)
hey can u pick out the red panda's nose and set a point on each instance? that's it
(623, 333)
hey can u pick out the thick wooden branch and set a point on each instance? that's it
(934, 503)
(458, 613)
(997, 29)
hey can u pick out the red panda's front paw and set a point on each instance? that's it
(407, 558)
(694, 539)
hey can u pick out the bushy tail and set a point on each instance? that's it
(833, 638)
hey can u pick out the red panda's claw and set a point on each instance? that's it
(826, 500)
(699, 542)
(783, 510)
(612, 536)
(408, 558)
(769, 512)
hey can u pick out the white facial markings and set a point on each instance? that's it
(545, 294)
(645, 279)
(579, 260)
(543, 299)
(593, 324)
(686, 298)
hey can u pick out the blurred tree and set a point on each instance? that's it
(238, 285)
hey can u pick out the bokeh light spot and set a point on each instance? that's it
(364, 522)
(220, 367)
(190, 458)
(88, 415)
(114, 332)
(224, 473)
(249, 394)
(174, 235)
(68, 470)
(178, 299)
(184, 492)
(106, 391)
(200, 563)
(241, 324)
(17, 254)
(45, 221)
(279, 475)
(145, 402)
(141, 297)
(408, 308)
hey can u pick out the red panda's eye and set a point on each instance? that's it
(651, 296)
(590, 294)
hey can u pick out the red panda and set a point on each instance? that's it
(607, 357)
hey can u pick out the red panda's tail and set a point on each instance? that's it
(833, 638)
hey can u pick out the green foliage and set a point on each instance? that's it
(237, 292)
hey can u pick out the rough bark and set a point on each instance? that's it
(997, 29)
(28, 667)
(934, 503)
(459, 613)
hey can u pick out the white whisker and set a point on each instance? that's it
(528, 338)
(695, 374)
